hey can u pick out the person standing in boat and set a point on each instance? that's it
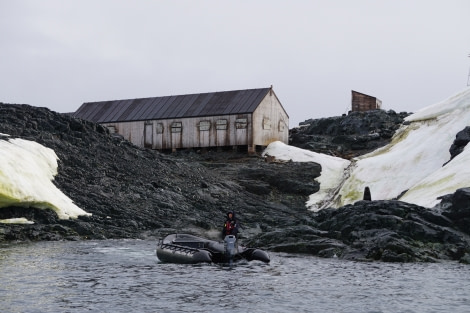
(230, 225)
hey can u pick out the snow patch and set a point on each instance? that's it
(331, 175)
(17, 220)
(26, 173)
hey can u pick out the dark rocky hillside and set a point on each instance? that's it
(135, 192)
(140, 193)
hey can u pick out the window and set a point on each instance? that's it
(241, 123)
(221, 124)
(266, 123)
(159, 128)
(112, 129)
(204, 125)
(282, 126)
(176, 127)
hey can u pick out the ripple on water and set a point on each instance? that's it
(125, 276)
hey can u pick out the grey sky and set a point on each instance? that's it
(408, 53)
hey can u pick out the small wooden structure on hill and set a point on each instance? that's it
(363, 102)
(249, 118)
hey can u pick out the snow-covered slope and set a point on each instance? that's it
(412, 162)
(414, 159)
(26, 173)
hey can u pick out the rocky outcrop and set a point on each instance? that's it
(349, 135)
(390, 231)
(461, 140)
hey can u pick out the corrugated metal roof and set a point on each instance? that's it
(192, 105)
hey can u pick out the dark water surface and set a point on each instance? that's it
(125, 276)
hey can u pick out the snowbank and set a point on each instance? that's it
(332, 169)
(26, 173)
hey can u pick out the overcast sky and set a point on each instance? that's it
(408, 53)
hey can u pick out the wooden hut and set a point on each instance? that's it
(363, 102)
(250, 118)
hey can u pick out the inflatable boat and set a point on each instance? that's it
(185, 248)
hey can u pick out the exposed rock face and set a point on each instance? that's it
(391, 231)
(461, 140)
(140, 193)
(347, 136)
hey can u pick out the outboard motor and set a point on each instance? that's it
(230, 247)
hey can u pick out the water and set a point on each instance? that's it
(125, 276)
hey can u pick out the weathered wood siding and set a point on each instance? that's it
(363, 102)
(270, 122)
(213, 131)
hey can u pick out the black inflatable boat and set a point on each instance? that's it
(185, 248)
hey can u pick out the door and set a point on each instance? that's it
(148, 135)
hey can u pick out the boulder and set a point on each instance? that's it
(461, 140)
